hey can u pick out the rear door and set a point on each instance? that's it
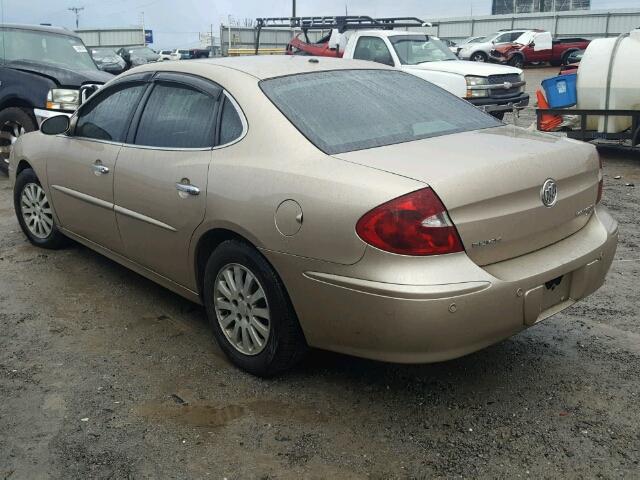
(161, 178)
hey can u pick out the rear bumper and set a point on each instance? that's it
(502, 104)
(385, 307)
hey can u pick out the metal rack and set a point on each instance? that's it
(340, 23)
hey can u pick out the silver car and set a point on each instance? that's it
(478, 50)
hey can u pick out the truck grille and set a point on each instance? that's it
(502, 92)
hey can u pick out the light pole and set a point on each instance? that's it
(77, 11)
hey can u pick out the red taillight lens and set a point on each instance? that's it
(414, 224)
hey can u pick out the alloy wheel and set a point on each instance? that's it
(241, 309)
(478, 57)
(9, 133)
(36, 210)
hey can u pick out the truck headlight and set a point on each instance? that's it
(472, 87)
(63, 99)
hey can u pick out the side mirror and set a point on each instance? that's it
(532, 44)
(55, 125)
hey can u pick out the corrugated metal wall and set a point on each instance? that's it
(113, 37)
(590, 24)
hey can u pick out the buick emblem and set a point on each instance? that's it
(549, 192)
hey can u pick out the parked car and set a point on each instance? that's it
(328, 203)
(180, 54)
(479, 49)
(165, 54)
(108, 60)
(494, 88)
(451, 45)
(198, 53)
(42, 72)
(537, 46)
(137, 55)
(468, 40)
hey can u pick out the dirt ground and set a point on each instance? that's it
(103, 374)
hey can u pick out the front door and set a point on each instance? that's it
(161, 176)
(82, 165)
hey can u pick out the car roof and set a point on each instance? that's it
(39, 28)
(268, 66)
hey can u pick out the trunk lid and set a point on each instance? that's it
(490, 182)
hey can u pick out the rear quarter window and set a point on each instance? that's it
(346, 110)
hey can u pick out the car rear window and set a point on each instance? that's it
(346, 110)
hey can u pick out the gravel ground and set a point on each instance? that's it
(103, 374)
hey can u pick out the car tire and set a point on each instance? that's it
(516, 61)
(265, 343)
(479, 57)
(14, 122)
(565, 58)
(34, 212)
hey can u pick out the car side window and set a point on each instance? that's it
(230, 123)
(505, 37)
(515, 36)
(373, 49)
(107, 116)
(177, 116)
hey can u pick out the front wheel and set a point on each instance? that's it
(14, 122)
(250, 312)
(516, 61)
(478, 57)
(34, 212)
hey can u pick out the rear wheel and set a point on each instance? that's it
(34, 212)
(478, 57)
(249, 311)
(14, 122)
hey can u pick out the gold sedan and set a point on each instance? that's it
(328, 203)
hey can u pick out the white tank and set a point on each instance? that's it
(609, 78)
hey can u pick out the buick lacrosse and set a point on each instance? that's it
(321, 203)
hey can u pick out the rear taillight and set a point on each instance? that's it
(600, 180)
(414, 224)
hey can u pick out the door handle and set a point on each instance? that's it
(99, 168)
(187, 188)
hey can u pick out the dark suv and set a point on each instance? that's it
(44, 71)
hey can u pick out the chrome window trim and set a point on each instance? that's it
(243, 120)
(236, 105)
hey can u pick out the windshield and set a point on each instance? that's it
(415, 49)
(44, 47)
(345, 110)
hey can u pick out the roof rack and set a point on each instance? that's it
(341, 23)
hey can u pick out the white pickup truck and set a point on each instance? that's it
(494, 88)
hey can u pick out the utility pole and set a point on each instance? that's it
(77, 11)
(294, 9)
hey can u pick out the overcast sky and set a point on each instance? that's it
(176, 23)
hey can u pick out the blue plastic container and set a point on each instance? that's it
(561, 90)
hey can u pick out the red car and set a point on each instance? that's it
(297, 46)
(537, 46)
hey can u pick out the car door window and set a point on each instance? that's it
(107, 116)
(373, 49)
(177, 116)
(505, 37)
(231, 126)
